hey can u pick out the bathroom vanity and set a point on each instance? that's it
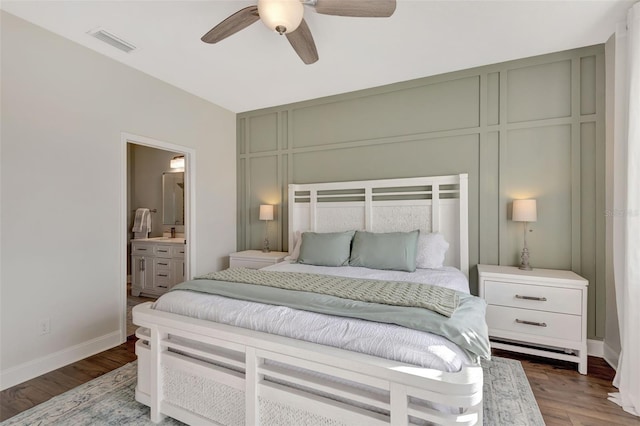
(157, 264)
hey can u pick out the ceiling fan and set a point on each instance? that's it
(286, 17)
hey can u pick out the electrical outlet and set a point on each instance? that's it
(44, 326)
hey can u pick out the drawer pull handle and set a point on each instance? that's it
(141, 249)
(162, 251)
(541, 299)
(163, 264)
(163, 275)
(538, 324)
(162, 286)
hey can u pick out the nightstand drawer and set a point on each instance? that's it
(247, 263)
(535, 297)
(519, 322)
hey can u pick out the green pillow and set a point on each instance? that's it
(390, 251)
(326, 249)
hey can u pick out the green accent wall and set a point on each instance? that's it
(530, 128)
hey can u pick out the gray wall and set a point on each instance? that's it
(527, 128)
(61, 249)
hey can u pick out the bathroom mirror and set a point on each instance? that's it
(173, 198)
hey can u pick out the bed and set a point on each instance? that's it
(208, 359)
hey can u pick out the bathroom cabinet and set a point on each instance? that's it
(157, 264)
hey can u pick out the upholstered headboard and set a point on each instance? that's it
(431, 204)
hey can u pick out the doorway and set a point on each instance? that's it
(158, 181)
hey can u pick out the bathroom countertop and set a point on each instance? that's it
(177, 240)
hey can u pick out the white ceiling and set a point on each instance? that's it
(256, 68)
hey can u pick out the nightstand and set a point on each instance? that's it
(541, 312)
(255, 259)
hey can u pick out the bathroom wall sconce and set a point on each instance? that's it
(177, 162)
(524, 211)
(266, 214)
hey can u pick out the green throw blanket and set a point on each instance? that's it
(466, 327)
(398, 293)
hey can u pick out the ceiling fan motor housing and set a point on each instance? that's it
(282, 16)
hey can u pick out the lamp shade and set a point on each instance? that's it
(283, 16)
(524, 211)
(266, 212)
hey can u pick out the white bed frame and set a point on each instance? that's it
(205, 373)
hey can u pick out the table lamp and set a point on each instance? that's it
(266, 214)
(524, 211)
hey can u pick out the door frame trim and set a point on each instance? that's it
(189, 212)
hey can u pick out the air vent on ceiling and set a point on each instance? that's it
(113, 40)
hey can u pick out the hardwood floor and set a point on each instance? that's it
(564, 396)
(35, 391)
(21, 397)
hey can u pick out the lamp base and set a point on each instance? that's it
(524, 257)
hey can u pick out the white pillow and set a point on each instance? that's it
(297, 242)
(432, 248)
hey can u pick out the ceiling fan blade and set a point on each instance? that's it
(234, 23)
(302, 42)
(356, 8)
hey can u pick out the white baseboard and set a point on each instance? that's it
(611, 356)
(595, 348)
(28, 370)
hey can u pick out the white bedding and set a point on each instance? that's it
(383, 340)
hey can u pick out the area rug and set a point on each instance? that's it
(109, 400)
(508, 398)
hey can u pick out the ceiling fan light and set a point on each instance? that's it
(282, 16)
